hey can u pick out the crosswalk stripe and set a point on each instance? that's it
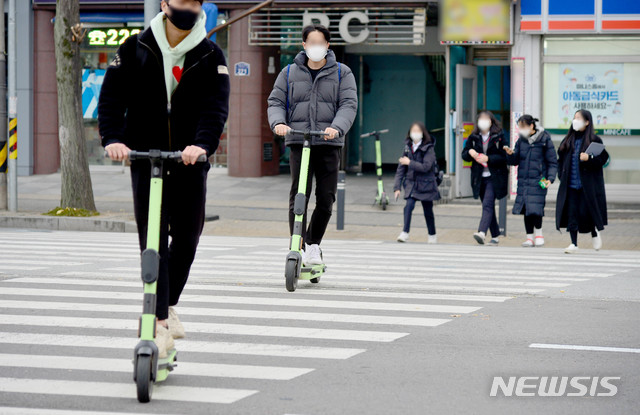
(123, 365)
(288, 302)
(40, 262)
(19, 268)
(54, 253)
(431, 255)
(526, 269)
(234, 313)
(5, 410)
(329, 282)
(384, 276)
(90, 246)
(209, 347)
(193, 285)
(209, 328)
(468, 257)
(122, 390)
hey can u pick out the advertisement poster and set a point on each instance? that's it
(468, 129)
(91, 84)
(596, 87)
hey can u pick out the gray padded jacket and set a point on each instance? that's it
(330, 101)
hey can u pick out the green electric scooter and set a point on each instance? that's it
(148, 367)
(294, 268)
(381, 197)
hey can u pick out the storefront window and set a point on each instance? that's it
(604, 82)
(602, 75)
(97, 50)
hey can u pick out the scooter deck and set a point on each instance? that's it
(307, 272)
(166, 365)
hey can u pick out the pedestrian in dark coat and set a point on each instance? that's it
(416, 174)
(489, 173)
(581, 205)
(535, 156)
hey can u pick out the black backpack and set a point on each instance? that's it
(438, 173)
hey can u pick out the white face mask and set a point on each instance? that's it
(525, 132)
(416, 137)
(578, 125)
(484, 124)
(316, 53)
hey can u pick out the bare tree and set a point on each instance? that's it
(76, 188)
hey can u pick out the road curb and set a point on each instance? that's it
(67, 223)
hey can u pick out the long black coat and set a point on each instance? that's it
(497, 163)
(535, 161)
(418, 178)
(592, 186)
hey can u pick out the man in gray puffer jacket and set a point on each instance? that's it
(314, 93)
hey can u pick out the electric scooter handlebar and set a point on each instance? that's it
(365, 135)
(157, 154)
(311, 133)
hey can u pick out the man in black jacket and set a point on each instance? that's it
(168, 88)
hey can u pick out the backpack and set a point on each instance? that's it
(289, 69)
(438, 173)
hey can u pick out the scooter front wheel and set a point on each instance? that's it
(384, 201)
(291, 272)
(144, 384)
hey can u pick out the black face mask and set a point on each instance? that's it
(183, 19)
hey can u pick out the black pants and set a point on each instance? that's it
(488, 197)
(183, 201)
(427, 206)
(324, 164)
(531, 221)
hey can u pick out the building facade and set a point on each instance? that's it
(411, 62)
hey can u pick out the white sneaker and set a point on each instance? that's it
(571, 249)
(494, 241)
(164, 341)
(403, 237)
(479, 237)
(175, 326)
(597, 241)
(313, 255)
(529, 242)
(539, 241)
(433, 239)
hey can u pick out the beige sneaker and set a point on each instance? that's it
(175, 327)
(164, 341)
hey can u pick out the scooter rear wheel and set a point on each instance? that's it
(144, 385)
(291, 271)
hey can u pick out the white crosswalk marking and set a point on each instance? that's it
(121, 390)
(69, 304)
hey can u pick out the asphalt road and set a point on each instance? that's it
(390, 329)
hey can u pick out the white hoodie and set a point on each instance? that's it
(173, 58)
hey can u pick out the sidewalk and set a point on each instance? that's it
(258, 207)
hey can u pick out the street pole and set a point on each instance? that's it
(13, 106)
(151, 9)
(341, 194)
(3, 114)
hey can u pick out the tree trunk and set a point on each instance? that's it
(76, 188)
